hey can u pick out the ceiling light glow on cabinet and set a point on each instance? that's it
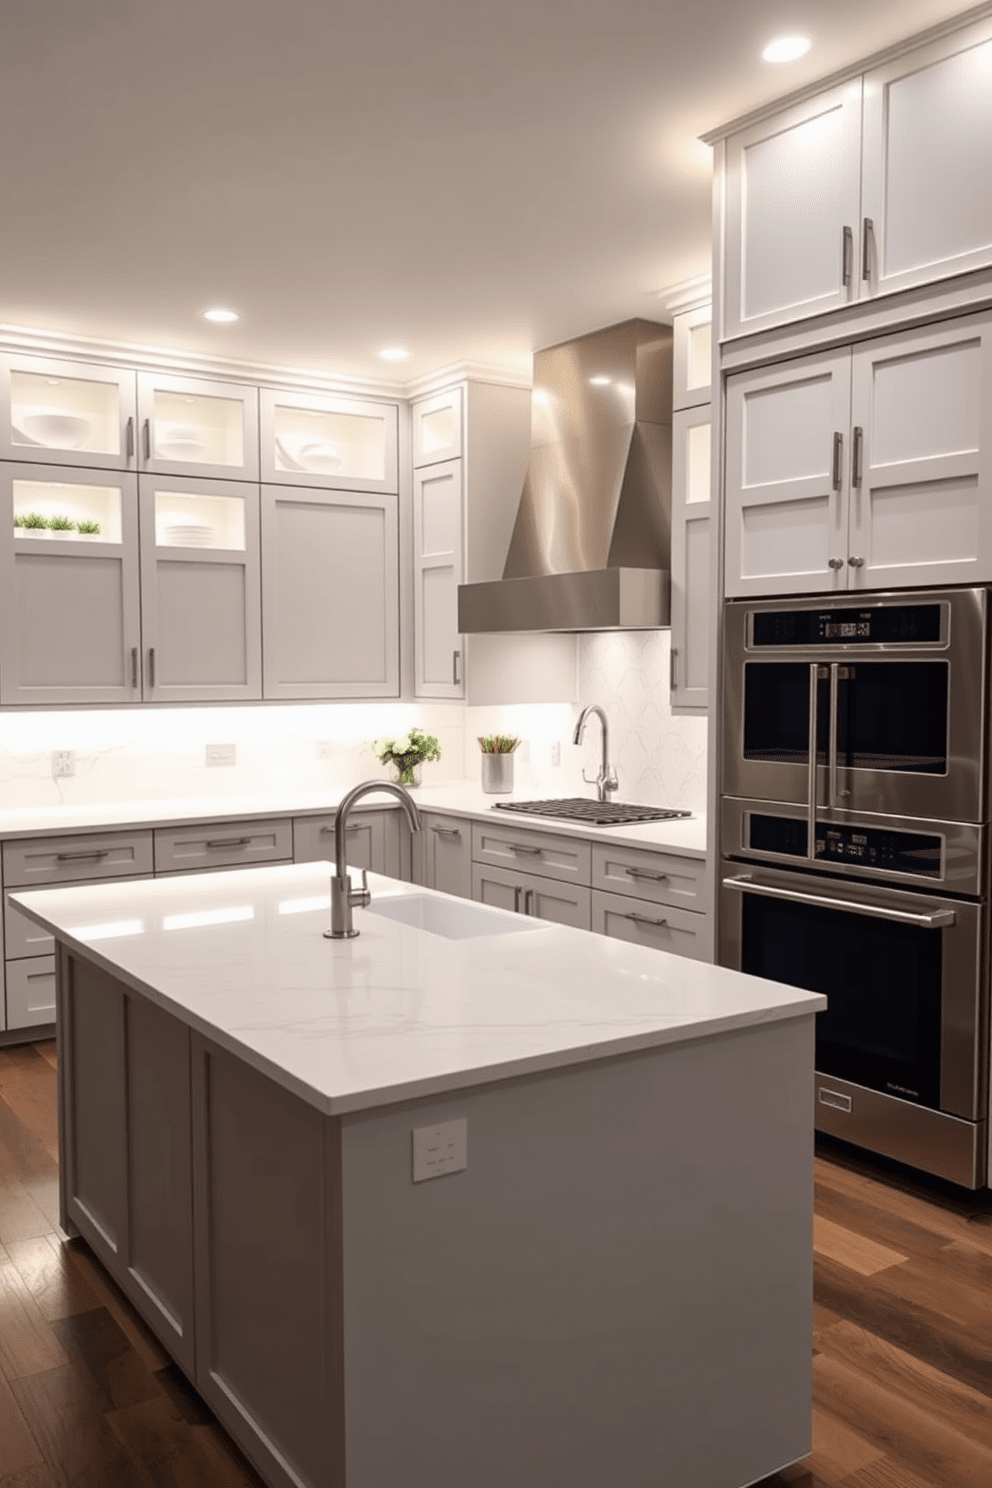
(786, 48)
(220, 316)
(394, 353)
(600, 381)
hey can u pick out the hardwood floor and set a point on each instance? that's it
(902, 1363)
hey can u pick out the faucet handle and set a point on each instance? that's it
(361, 898)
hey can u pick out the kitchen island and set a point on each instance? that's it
(468, 1200)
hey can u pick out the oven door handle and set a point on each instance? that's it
(814, 731)
(938, 919)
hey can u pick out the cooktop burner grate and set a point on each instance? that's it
(594, 813)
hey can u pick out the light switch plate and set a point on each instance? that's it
(438, 1150)
(63, 763)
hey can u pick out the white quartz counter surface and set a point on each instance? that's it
(397, 1012)
(459, 798)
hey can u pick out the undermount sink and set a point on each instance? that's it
(454, 919)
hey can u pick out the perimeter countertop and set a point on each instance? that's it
(398, 1012)
(459, 798)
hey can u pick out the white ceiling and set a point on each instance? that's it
(470, 178)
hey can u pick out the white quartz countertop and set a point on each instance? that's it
(459, 798)
(398, 1012)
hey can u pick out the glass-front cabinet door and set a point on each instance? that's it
(191, 426)
(200, 590)
(66, 413)
(337, 443)
(69, 611)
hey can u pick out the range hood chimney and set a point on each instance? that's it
(591, 544)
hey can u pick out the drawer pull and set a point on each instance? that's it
(835, 1098)
(641, 919)
(229, 842)
(37, 976)
(329, 831)
(78, 857)
(646, 873)
(530, 852)
(446, 831)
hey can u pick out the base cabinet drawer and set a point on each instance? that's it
(659, 877)
(544, 853)
(30, 991)
(223, 845)
(543, 898)
(23, 937)
(42, 861)
(662, 927)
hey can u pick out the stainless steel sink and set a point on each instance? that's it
(592, 813)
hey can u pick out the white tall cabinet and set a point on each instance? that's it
(438, 543)
(692, 530)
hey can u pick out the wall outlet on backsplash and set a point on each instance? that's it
(554, 754)
(221, 754)
(326, 748)
(63, 763)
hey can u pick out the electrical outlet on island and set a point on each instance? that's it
(221, 754)
(63, 763)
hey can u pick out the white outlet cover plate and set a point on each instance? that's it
(220, 754)
(438, 1150)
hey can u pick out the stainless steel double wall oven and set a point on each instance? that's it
(855, 840)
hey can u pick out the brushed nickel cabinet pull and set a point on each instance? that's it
(646, 873)
(856, 562)
(456, 657)
(838, 457)
(867, 248)
(151, 666)
(857, 457)
(229, 842)
(37, 976)
(446, 831)
(148, 439)
(530, 852)
(847, 256)
(77, 857)
(642, 919)
(516, 898)
(835, 563)
(134, 666)
(129, 437)
(528, 901)
(672, 669)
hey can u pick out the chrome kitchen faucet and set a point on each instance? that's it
(343, 896)
(606, 781)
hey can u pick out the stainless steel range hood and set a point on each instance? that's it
(591, 545)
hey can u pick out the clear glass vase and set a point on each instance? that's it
(410, 776)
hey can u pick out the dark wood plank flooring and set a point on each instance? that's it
(902, 1364)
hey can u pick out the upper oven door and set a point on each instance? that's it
(891, 689)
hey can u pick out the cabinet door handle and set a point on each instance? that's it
(646, 873)
(129, 437)
(672, 669)
(37, 976)
(147, 434)
(857, 457)
(528, 901)
(530, 852)
(835, 563)
(446, 831)
(456, 657)
(77, 857)
(642, 919)
(229, 842)
(134, 666)
(856, 562)
(516, 898)
(838, 457)
(151, 666)
(847, 256)
(867, 247)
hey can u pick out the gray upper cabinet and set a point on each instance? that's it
(67, 413)
(344, 444)
(437, 572)
(192, 426)
(331, 618)
(69, 608)
(872, 186)
(200, 590)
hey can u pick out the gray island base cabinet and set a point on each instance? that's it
(615, 1289)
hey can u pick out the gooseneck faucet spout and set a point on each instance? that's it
(343, 897)
(606, 781)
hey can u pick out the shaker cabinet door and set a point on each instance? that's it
(69, 609)
(787, 444)
(691, 539)
(200, 590)
(792, 200)
(437, 568)
(331, 622)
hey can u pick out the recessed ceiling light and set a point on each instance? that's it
(221, 316)
(600, 381)
(394, 353)
(786, 48)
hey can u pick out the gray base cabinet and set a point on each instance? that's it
(375, 840)
(529, 894)
(445, 854)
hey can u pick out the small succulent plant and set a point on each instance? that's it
(61, 524)
(33, 520)
(87, 527)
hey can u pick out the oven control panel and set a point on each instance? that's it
(873, 625)
(872, 848)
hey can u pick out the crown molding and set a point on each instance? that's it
(688, 294)
(264, 374)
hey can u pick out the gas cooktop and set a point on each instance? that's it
(593, 813)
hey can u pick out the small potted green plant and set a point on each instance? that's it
(88, 529)
(61, 524)
(497, 762)
(406, 755)
(33, 522)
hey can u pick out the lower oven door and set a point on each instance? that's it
(900, 1047)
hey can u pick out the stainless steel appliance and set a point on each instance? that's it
(855, 845)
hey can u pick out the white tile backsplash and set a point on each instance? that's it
(156, 754)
